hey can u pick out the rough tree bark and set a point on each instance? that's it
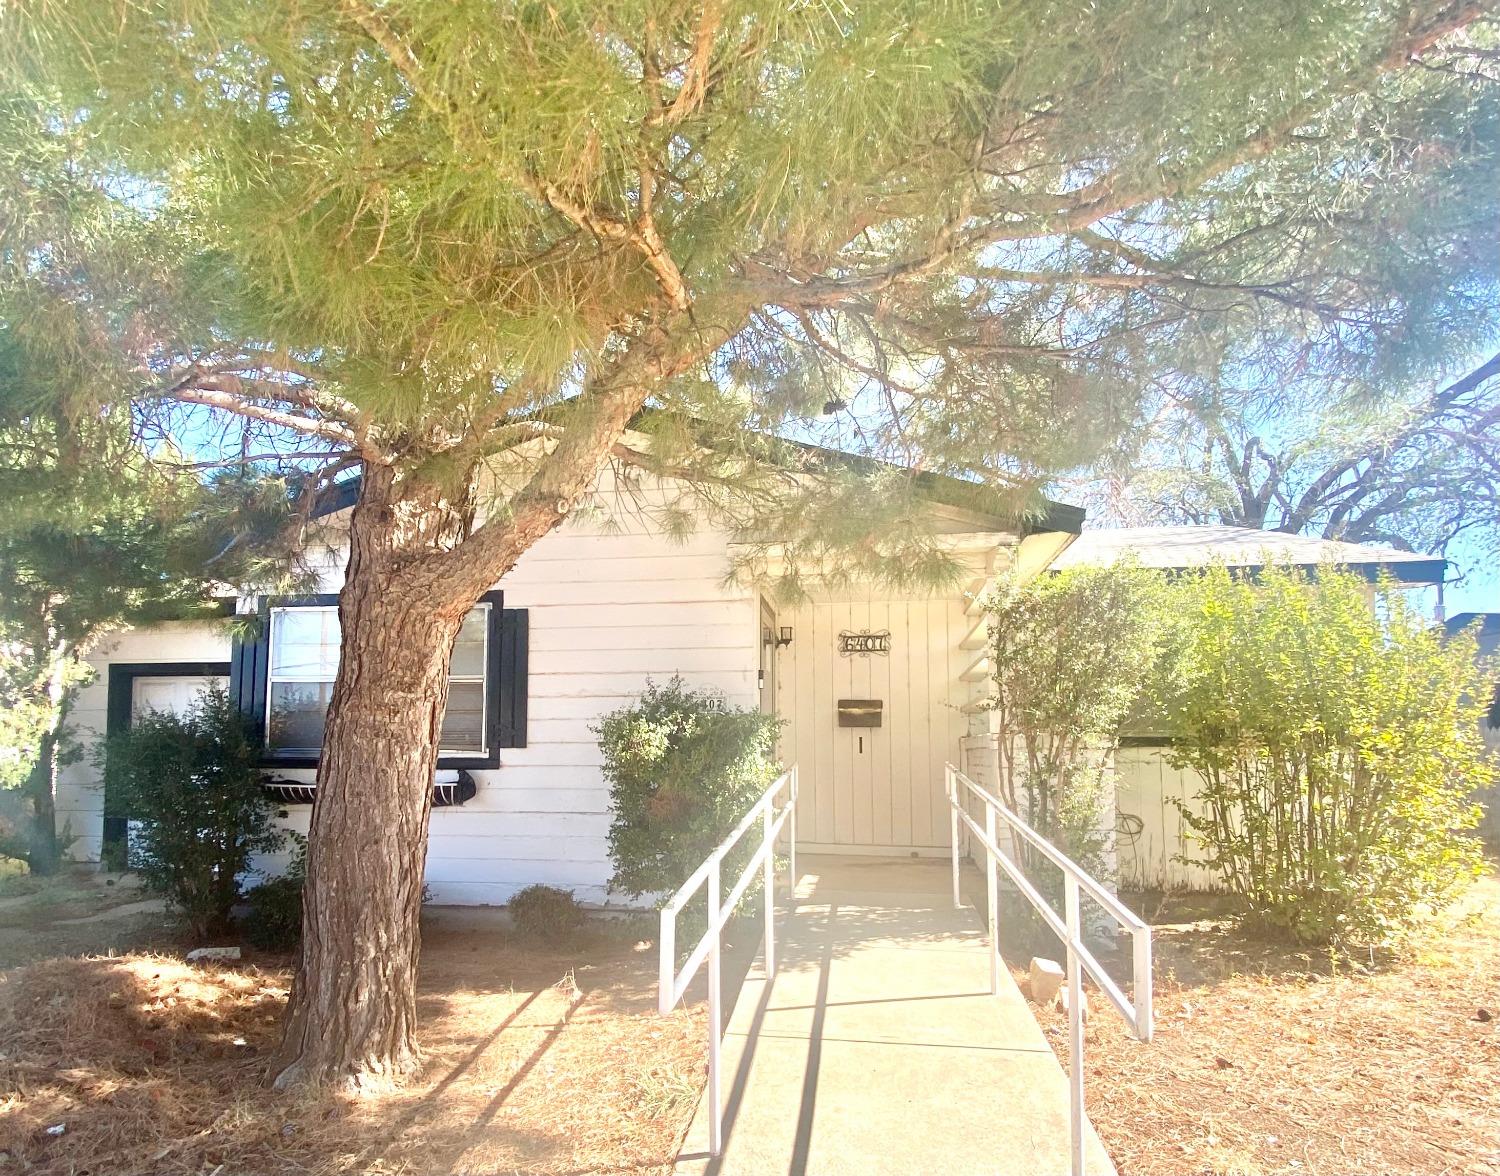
(353, 1012)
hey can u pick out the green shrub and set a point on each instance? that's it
(1338, 742)
(273, 910)
(192, 783)
(273, 915)
(683, 769)
(1072, 653)
(545, 914)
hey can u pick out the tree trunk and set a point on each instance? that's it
(43, 854)
(352, 1017)
(415, 569)
(44, 850)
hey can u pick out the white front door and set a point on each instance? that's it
(874, 789)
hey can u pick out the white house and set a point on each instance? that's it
(575, 630)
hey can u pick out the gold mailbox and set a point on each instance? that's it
(860, 712)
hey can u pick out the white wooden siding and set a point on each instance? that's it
(612, 603)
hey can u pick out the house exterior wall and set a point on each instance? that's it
(80, 785)
(612, 601)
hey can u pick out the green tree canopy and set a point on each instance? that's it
(105, 521)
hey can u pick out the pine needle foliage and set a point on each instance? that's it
(982, 231)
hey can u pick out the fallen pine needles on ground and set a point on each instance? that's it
(537, 1062)
(1269, 1061)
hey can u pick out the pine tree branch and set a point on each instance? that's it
(1079, 210)
(598, 419)
(697, 71)
(643, 236)
(210, 394)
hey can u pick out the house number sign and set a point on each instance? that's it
(864, 643)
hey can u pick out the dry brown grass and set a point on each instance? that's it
(1267, 1061)
(538, 1062)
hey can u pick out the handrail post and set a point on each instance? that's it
(768, 883)
(667, 966)
(992, 891)
(791, 824)
(1075, 1023)
(715, 1017)
(950, 782)
(1141, 966)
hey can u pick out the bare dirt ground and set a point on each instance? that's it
(77, 912)
(538, 1061)
(1267, 1060)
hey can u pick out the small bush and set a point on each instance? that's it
(683, 770)
(192, 783)
(1339, 746)
(545, 914)
(273, 914)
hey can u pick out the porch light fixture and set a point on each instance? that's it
(768, 638)
(786, 636)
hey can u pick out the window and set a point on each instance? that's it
(463, 722)
(283, 679)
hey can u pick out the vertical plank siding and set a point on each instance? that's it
(890, 795)
(1146, 787)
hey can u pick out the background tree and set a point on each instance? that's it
(105, 523)
(1338, 745)
(1072, 653)
(1418, 470)
(461, 246)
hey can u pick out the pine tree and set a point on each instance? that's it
(462, 246)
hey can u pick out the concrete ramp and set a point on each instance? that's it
(879, 1049)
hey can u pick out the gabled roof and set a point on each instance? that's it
(1247, 548)
(1486, 628)
(939, 488)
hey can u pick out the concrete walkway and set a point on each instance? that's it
(879, 1048)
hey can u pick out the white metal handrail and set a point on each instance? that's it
(673, 981)
(1068, 927)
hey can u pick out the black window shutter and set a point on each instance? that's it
(512, 692)
(248, 661)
